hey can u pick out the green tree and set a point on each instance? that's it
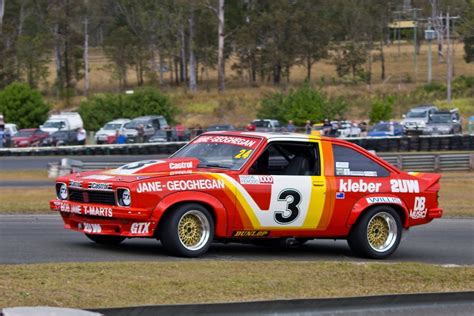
(101, 108)
(381, 109)
(300, 105)
(467, 31)
(23, 105)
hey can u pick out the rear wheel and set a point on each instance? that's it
(106, 239)
(188, 230)
(377, 234)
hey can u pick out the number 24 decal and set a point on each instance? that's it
(243, 153)
(293, 199)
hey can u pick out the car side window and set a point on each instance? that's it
(348, 162)
(288, 158)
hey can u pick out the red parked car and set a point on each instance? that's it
(29, 137)
(247, 187)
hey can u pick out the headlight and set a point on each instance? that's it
(61, 191)
(124, 197)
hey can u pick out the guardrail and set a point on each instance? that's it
(378, 144)
(431, 162)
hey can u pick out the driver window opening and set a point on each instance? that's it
(296, 159)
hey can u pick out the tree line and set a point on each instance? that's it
(180, 41)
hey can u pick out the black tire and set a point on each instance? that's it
(187, 231)
(106, 239)
(384, 226)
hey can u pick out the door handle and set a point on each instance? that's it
(318, 183)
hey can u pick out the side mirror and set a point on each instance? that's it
(404, 116)
(41, 126)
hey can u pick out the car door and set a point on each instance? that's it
(283, 189)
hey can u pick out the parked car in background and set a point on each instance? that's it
(29, 137)
(147, 125)
(221, 127)
(266, 125)
(415, 121)
(384, 129)
(443, 122)
(11, 129)
(65, 121)
(346, 129)
(107, 134)
(162, 136)
(61, 138)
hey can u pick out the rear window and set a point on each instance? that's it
(348, 162)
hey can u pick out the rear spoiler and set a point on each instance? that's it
(432, 178)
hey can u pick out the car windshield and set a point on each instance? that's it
(112, 126)
(445, 118)
(227, 152)
(261, 123)
(416, 114)
(381, 128)
(220, 128)
(135, 124)
(53, 124)
(24, 134)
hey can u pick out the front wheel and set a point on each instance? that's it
(377, 234)
(106, 239)
(188, 230)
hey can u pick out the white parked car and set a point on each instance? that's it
(415, 121)
(106, 134)
(64, 121)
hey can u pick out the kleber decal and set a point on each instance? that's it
(250, 233)
(254, 179)
(98, 177)
(383, 199)
(100, 186)
(232, 140)
(140, 228)
(358, 186)
(405, 186)
(419, 210)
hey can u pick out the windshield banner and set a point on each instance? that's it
(232, 140)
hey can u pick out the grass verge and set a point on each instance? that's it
(24, 175)
(198, 281)
(25, 200)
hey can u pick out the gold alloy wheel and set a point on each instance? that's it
(382, 232)
(193, 230)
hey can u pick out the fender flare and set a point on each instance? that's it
(217, 208)
(362, 204)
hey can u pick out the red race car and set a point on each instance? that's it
(248, 187)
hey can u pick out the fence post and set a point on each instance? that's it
(400, 162)
(471, 161)
(437, 162)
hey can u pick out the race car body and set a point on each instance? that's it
(245, 186)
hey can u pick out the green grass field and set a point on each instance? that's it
(107, 284)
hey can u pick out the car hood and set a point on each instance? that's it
(21, 139)
(139, 170)
(413, 120)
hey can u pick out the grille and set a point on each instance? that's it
(89, 196)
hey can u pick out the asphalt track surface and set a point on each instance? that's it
(42, 238)
(41, 162)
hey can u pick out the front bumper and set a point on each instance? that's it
(105, 219)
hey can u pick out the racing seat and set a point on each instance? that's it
(298, 166)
